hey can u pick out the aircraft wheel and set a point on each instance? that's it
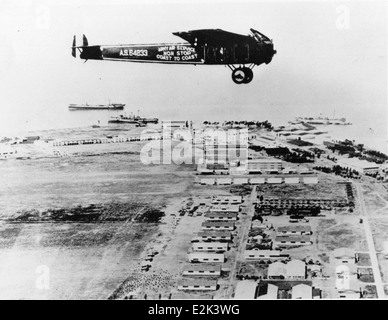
(249, 75)
(239, 75)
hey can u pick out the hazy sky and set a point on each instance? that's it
(320, 66)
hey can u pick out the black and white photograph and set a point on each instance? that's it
(207, 151)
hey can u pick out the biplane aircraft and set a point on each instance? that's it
(207, 46)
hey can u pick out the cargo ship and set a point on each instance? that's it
(86, 106)
(132, 119)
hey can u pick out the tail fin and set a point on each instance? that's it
(73, 48)
(85, 41)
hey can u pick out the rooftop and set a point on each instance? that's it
(297, 228)
(355, 162)
(302, 291)
(196, 282)
(221, 214)
(214, 234)
(245, 290)
(202, 267)
(296, 268)
(277, 269)
(218, 223)
(264, 160)
(292, 238)
(268, 291)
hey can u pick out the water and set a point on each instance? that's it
(370, 130)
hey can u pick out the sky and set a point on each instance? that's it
(331, 58)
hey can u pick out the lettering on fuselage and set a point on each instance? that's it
(176, 53)
(133, 53)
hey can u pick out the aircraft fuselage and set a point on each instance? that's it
(182, 53)
(206, 47)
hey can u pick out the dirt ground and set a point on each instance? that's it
(83, 261)
(64, 260)
(322, 190)
(92, 260)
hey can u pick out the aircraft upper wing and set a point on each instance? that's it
(211, 36)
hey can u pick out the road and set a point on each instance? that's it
(372, 250)
(244, 230)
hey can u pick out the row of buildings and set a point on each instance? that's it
(278, 179)
(302, 206)
(272, 290)
(210, 244)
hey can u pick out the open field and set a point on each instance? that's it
(83, 261)
(92, 260)
(100, 255)
(329, 190)
(63, 182)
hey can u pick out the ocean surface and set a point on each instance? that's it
(367, 128)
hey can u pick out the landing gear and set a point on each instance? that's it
(249, 76)
(241, 75)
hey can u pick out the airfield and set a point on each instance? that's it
(100, 256)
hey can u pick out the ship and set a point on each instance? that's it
(321, 121)
(132, 119)
(86, 106)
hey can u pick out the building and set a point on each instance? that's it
(289, 241)
(213, 236)
(205, 257)
(210, 246)
(277, 270)
(310, 180)
(265, 255)
(225, 208)
(245, 290)
(230, 154)
(361, 166)
(202, 270)
(345, 275)
(218, 226)
(291, 180)
(208, 181)
(224, 181)
(197, 284)
(227, 200)
(274, 180)
(174, 125)
(228, 148)
(221, 216)
(240, 181)
(302, 291)
(258, 180)
(265, 166)
(352, 292)
(291, 230)
(296, 270)
(345, 255)
(267, 291)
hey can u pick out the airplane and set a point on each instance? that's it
(205, 46)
